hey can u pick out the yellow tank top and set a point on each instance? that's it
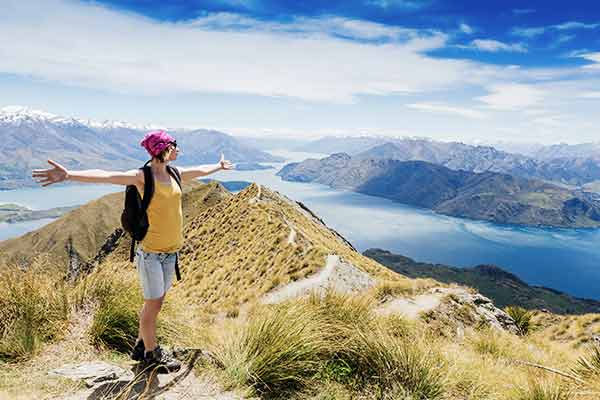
(165, 234)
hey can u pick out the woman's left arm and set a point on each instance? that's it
(188, 173)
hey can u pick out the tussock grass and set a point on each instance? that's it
(114, 292)
(331, 337)
(34, 308)
(588, 365)
(545, 390)
(523, 319)
(389, 364)
(279, 349)
(576, 330)
(387, 289)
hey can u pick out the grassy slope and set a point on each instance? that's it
(238, 250)
(500, 286)
(89, 226)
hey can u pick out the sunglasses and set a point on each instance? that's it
(172, 143)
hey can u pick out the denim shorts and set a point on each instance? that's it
(156, 271)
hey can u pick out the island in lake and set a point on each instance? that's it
(11, 213)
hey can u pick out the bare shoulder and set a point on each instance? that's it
(139, 179)
(139, 174)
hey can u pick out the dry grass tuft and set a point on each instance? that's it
(34, 308)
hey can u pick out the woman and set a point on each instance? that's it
(157, 253)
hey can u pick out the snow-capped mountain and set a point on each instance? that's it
(29, 137)
(23, 115)
(18, 115)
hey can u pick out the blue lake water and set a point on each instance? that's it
(564, 259)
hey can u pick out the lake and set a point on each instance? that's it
(564, 259)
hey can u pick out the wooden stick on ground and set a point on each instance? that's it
(555, 371)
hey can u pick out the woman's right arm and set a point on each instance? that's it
(59, 174)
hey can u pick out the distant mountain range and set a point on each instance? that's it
(30, 137)
(562, 163)
(489, 196)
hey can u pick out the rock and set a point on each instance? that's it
(92, 373)
(482, 309)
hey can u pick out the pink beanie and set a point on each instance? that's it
(156, 141)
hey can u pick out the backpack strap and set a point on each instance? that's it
(177, 176)
(177, 272)
(132, 250)
(174, 172)
(148, 193)
(148, 186)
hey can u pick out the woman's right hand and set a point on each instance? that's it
(52, 175)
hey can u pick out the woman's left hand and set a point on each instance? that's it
(225, 164)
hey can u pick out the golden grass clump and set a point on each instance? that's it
(588, 365)
(523, 319)
(544, 390)
(387, 289)
(279, 349)
(114, 293)
(575, 330)
(327, 338)
(34, 308)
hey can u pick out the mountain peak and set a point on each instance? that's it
(15, 114)
(19, 114)
(16, 110)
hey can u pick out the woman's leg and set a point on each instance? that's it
(148, 317)
(151, 275)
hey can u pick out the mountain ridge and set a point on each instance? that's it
(489, 196)
(503, 287)
(561, 163)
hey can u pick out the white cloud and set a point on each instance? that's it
(506, 97)
(551, 121)
(590, 95)
(445, 109)
(464, 28)
(521, 11)
(495, 46)
(595, 57)
(564, 38)
(575, 25)
(406, 4)
(87, 45)
(528, 32)
(531, 32)
(91, 46)
(318, 26)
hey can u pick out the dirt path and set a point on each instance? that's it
(412, 307)
(337, 274)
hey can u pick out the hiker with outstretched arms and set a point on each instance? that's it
(161, 232)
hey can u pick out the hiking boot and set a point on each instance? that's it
(137, 354)
(161, 361)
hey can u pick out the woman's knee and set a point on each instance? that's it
(152, 306)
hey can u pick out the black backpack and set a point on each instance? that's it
(134, 218)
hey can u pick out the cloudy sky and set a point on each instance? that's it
(471, 70)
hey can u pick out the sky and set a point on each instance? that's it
(472, 71)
